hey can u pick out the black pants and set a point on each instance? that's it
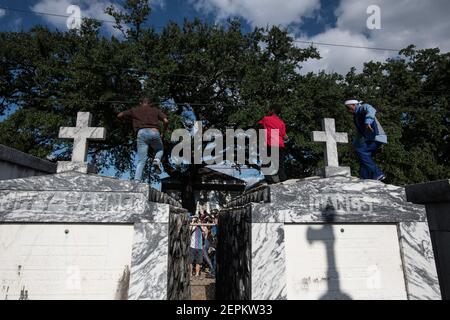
(280, 176)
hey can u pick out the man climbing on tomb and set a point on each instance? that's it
(146, 119)
(370, 137)
(275, 138)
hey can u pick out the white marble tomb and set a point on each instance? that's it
(285, 242)
(329, 237)
(104, 230)
(74, 235)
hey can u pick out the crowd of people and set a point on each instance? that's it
(203, 230)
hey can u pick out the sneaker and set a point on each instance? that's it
(381, 178)
(157, 165)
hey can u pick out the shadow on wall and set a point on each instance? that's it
(211, 291)
(327, 236)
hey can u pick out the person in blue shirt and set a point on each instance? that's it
(370, 136)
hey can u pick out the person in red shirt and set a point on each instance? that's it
(273, 140)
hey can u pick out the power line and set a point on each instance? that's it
(312, 43)
(118, 101)
(50, 14)
(156, 102)
(345, 45)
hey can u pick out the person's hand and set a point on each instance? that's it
(369, 128)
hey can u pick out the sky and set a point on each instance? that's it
(424, 23)
(402, 22)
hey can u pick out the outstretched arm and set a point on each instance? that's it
(124, 115)
(121, 116)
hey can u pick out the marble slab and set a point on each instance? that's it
(65, 261)
(74, 181)
(149, 260)
(418, 260)
(78, 207)
(343, 262)
(268, 262)
(337, 199)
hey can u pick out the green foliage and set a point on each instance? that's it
(227, 78)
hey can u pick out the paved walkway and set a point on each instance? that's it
(202, 288)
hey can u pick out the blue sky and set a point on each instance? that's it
(162, 12)
(402, 22)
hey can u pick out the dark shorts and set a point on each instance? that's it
(196, 256)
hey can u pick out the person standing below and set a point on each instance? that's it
(146, 119)
(370, 136)
(274, 139)
(206, 251)
(196, 248)
(213, 245)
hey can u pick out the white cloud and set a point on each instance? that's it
(2, 12)
(403, 22)
(89, 9)
(259, 12)
(341, 59)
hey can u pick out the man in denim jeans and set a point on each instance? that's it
(370, 136)
(145, 119)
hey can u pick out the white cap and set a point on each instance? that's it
(351, 102)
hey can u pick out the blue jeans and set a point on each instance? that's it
(147, 138)
(369, 169)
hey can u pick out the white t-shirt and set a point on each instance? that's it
(196, 238)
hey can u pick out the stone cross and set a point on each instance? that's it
(331, 138)
(81, 134)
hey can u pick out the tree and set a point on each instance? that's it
(223, 77)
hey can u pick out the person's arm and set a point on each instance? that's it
(124, 115)
(165, 125)
(370, 116)
(285, 136)
(260, 124)
(163, 117)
